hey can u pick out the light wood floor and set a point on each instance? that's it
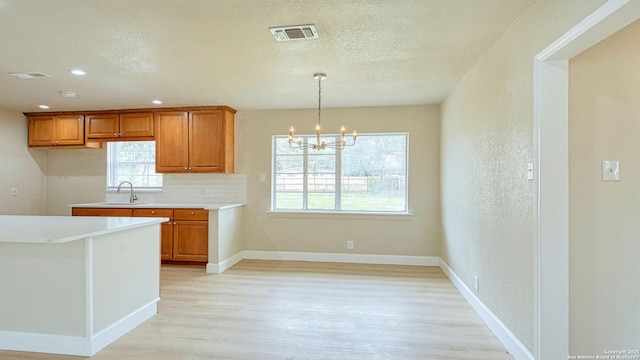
(260, 310)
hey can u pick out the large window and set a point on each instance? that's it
(133, 161)
(370, 176)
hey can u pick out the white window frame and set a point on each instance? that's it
(112, 182)
(338, 179)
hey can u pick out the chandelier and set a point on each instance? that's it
(320, 143)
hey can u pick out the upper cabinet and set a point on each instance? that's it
(57, 130)
(124, 126)
(199, 140)
(188, 139)
(172, 141)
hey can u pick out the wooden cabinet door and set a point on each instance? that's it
(102, 126)
(166, 240)
(166, 229)
(69, 130)
(206, 146)
(138, 125)
(41, 130)
(172, 142)
(47, 130)
(101, 212)
(191, 241)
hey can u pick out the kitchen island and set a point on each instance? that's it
(73, 285)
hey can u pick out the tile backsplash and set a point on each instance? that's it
(208, 188)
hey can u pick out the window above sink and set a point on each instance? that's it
(133, 161)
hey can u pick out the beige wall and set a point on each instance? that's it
(75, 176)
(417, 235)
(604, 124)
(21, 167)
(487, 141)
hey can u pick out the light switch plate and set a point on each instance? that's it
(610, 170)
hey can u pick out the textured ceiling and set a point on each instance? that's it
(220, 52)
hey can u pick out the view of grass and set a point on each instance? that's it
(354, 202)
(371, 176)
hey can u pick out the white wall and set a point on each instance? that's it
(19, 167)
(487, 141)
(417, 235)
(604, 124)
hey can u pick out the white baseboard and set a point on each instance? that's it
(342, 258)
(123, 326)
(213, 268)
(44, 343)
(75, 345)
(506, 337)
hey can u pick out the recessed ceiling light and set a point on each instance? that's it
(43, 106)
(68, 94)
(78, 72)
(157, 102)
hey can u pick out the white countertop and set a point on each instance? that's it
(175, 205)
(61, 229)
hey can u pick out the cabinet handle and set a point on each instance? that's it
(153, 212)
(189, 168)
(119, 134)
(192, 213)
(185, 169)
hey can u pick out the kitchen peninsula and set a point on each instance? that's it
(73, 285)
(198, 233)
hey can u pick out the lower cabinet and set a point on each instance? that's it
(185, 237)
(190, 235)
(190, 241)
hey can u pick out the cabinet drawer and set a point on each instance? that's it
(190, 214)
(101, 212)
(168, 213)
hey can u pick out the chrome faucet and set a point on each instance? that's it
(133, 196)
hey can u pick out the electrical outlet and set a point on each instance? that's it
(476, 283)
(350, 245)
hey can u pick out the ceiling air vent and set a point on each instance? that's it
(29, 75)
(298, 32)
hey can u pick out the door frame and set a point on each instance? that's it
(551, 159)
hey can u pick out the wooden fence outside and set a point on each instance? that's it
(327, 183)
